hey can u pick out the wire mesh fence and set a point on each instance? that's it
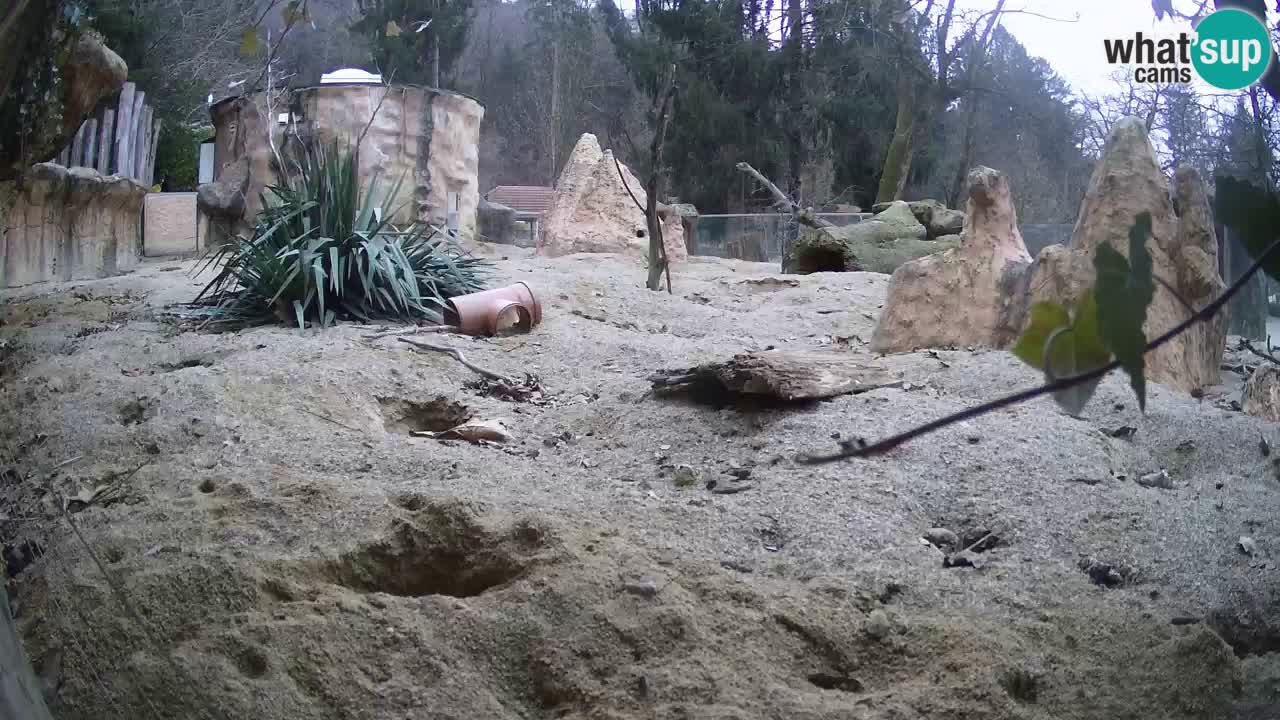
(753, 237)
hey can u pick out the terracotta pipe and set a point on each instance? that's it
(511, 308)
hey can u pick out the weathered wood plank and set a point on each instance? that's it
(783, 375)
(77, 148)
(142, 139)
(151, 154)
(123, 125)
(90, 143)
(106, 141)
(135, 128)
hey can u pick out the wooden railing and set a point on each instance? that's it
(120, 138)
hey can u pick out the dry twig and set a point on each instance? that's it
(457, 355)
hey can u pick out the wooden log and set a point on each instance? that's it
(106, 141)
(789, 376)
(151, 153)
(90, 143)
(123, 124)
(137, 124)
(77, 148)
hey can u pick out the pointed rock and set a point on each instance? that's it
(593, 212)
(1127, 181)
(984, 276)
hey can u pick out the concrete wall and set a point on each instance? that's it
(170, 224)
(427, 137)
(61, 224)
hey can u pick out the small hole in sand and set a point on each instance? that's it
(207, 485)
(407, 416)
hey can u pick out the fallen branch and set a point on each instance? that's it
(801, 216)
(414, 330)
(326, 418)
(1248, 345)
(861, 449)
(457, 355)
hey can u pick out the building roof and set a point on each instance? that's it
(524, 199)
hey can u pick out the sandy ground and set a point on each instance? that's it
(276, 545)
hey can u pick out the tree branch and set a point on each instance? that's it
(882, 446)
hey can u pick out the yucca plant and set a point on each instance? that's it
(323, 249)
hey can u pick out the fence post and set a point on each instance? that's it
(91, 143)
(135, 130)
(105, 139)
(123, 136)
(77, 148)
(151, 154)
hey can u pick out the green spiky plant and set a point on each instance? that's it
(320, 251)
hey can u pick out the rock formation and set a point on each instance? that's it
(880, 244)
(40, 114)
(937, 220)
(593, 212)
(496, 222)
(861, 247)
(1127, 181)
(968, 295)
(69, 225)
(223, 202)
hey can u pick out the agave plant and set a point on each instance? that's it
(323, 249)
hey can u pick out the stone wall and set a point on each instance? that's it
(61, 224)
(170, 224)
(427, 137)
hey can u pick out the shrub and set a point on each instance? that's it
(322, 250)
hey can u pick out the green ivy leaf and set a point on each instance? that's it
(249, 42)
(1125, 288)
(1063, 344)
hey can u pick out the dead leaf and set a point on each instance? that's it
(476, 432)
(393, 30)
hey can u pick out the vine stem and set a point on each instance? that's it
(882, 446)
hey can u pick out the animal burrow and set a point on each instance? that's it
(136, 412)
(1248, 633)
(185, 363)
(408, 416)
(441, 549)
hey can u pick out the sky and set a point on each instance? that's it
(1074, 46)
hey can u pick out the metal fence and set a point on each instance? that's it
(753, 237)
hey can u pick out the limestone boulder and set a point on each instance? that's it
(496, 222)
(897, 221)
(225, 198)
(93, 72)
(868, 246)
(1128, 180)
(593, 210)
(967, 295)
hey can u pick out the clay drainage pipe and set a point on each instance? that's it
(490, 312)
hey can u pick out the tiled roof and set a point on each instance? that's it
(530, 199)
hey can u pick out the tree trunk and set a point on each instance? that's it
(897, 161)
(795, 97)
(435, 60)
(554, 121)
(657, 249)
(966, 154)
